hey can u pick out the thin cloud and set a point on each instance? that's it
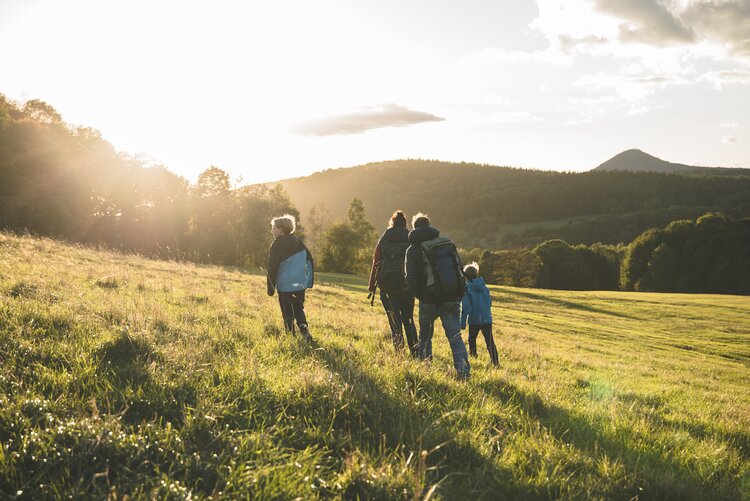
(720, 78)
(728, 140)
(629, 88)
(570, 43)
(729, 125)
(387, 115)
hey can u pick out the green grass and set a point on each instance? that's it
(122, 376)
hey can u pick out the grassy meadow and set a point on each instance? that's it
(127, 377)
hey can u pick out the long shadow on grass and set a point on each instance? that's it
(380, 423)
(567, 304)
(658, 476)
(739, 440)
(126, 364)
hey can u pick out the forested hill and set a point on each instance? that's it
(489, 206)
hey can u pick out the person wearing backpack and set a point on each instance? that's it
(434, 275)
(387, 274)
(476, 308)
(290, 271)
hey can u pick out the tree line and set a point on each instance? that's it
(68, 182)
(708, 255)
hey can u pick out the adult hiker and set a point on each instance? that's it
(387, 274)
(290, 272)
(434, 275)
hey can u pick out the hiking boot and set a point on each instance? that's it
(305, 333)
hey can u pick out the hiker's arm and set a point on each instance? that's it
(413, 269)
(272, 269)
(465, 309)
(374, 269)
(312, 263)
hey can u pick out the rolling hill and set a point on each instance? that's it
(123, 377)
(496, 207)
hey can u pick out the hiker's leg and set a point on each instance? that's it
(287, 312)
(473, 333)
(298, 307)
(450, 316)
(407, 318)
(390, 304)
(489, 340)
(427, 315)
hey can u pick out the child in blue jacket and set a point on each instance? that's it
(476, 308)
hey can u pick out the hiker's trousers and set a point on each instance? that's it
(450, 316)
(292, 308)
(489, 340)
(399, 306)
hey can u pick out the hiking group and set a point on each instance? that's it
(406, 265)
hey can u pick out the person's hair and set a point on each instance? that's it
(471, 270)
(420, 220)
(286, 223)
(397, 219)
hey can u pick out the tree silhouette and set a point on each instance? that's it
(348, 244)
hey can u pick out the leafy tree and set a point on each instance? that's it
(516, 267)
(212, 212)
(663, 269)
(468, 256)
(366, 234)
(340, 251)
(4, 112)
(257, 206)
(635, 264)
(348, 244)
(41, 112)
(319, 219)
(560, 268)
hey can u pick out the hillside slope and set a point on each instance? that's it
(478, 205)
(125, 376)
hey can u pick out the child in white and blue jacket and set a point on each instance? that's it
(476, 307)
(290, 272)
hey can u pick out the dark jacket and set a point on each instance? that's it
(282, 248)
(416, 278)
(394, 235)
(476, 306)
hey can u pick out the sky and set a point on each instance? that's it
(268, 90)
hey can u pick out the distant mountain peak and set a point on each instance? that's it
(635, 160)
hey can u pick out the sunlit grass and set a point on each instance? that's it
(125, 376)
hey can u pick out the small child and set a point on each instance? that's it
(476, 307)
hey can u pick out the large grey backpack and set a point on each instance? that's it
(442, 264)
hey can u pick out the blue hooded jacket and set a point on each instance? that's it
(476, 305)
